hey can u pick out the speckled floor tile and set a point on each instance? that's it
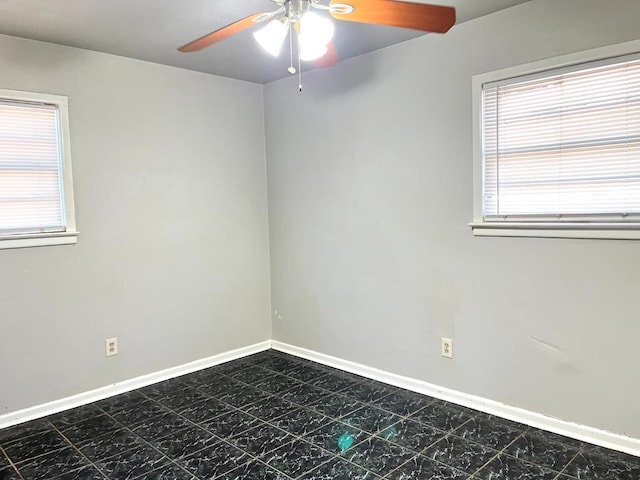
(34, 446)
(337, 406)
(273, 416)
(283, 363)
(307, 373)
(305, 395)
(276, 384)
(230, 424)
(185, 397)
(505, 467)
(335, 382)
(52, 465)
(120, 402)
(204, 410)
(371, 419)
(87, 473)
(254, 470)
(141, 412)
(110, 444)
(367, 392)
(270, 408)
(378, 455)
(403, 403)
(158, 426)
(220, 386)
(552, 437)
(202, 378)
(542, 451)
(338, 469)
(461, 454)
(596, 463)
(490, 433)
(337, 437)
(422, 468)
(412, 435)
(88, 429)
(214, 460)
(132, 463)
(252, 375)
(75, 415)
(8, 473)
(181, 443)
(229, 368)
(297, 458)
(244, 395)
(441, 417)
(301, 421)
(10, 434)
(169, 472)
(164, 389)
(261, 439)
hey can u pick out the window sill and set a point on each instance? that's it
(38, 240)
(605, 231)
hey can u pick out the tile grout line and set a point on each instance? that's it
(500, 452)
(77, 450)
(148, 443)
(11, 463)
(121, 426)
(220, 439)
(559, 476)
(365, 404)
(421, 452)
(338, 419)
(296, 437)
(228, 374)
(272, 390)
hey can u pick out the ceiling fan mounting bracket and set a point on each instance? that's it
(294, 9)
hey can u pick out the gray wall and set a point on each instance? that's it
(172, 258)
(370, 193)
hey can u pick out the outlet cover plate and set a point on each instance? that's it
(111, 346)
(446, 348)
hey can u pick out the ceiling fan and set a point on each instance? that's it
(314, 32)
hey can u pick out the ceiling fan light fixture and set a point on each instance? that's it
(272, 35)
(310, 50)
(319, 28)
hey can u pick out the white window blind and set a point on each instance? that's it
(31, 190)
(563, 145)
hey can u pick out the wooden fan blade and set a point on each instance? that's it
(225, 32)
(417, 16)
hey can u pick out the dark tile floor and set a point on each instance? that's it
(276, 417)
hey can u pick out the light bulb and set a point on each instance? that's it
(317, 27)
(272, 35)
(309, 49)
(315, 33)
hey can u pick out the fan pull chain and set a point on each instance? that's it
(299, 72)
(299, 67)
(291, 68)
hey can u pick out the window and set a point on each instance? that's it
(36, 191)
(558, 149)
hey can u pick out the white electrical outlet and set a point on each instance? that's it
(111, 346)
(446, 348)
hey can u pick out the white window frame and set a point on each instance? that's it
(69, 236)
(482, 227)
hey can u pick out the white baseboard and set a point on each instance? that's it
(569, 429)
(39, 411)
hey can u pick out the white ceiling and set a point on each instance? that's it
(152, 30)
